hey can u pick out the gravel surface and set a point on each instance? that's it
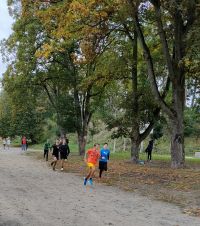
(33, 194)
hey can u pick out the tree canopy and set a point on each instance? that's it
(133, 62)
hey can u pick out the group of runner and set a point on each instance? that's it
(6, 143)
(92, 156)
(60, 150)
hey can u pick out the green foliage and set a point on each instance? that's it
(20, 116)
(192, 122)
(6, 129)
(158, 130)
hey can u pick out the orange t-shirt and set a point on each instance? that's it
(93, 156)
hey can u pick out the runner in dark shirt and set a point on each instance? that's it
(64, 152)
(55, 154)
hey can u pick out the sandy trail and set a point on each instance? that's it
(32, 194)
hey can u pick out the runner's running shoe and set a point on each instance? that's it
(91, 181)
(85, 181)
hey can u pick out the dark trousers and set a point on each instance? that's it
(102, 167)
(46, 153)
(149, 155)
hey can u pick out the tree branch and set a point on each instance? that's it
(151, 72)
(163, 38)
(49, 96)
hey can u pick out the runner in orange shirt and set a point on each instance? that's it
(91, 158)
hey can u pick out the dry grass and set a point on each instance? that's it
(155, 180)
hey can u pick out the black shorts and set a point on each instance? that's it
(103, 165)
(55, 154)
(63, 155)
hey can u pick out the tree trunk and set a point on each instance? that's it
(177, 127)
(124, 148)
(136, 136)
(33, 140)
(177, 146)
(178, 94)
(135, 105)
(141, 146)
(82, 140)
(135, 149)
(62, 131)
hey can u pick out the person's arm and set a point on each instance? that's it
(85, 157)
(99, 155)
(68, 150)
(52, 150)
(109, 155)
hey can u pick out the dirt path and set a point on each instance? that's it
(32, 194)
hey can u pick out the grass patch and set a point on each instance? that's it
(156, 157)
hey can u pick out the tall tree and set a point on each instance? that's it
(42, 75)
(22, 112)
(182, 15)
(60, 48)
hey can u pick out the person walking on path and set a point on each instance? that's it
(8, 142)
(91, 157)
(64, 152)
(149, 150)
(24, 143)
(104, 157)
(46, 149)
(4, 144)
(55, 154)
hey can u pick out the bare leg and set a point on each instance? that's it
(89, 174)
(54, 164)
(100, 173)
(92, 173)
(62, 164)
